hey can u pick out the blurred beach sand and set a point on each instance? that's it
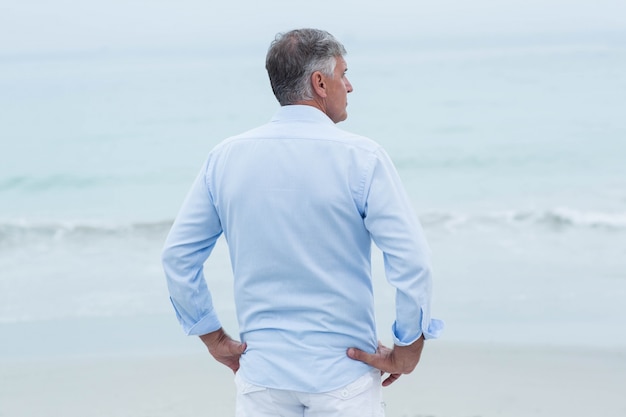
(451, 381)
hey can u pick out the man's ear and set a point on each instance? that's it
(318, 82)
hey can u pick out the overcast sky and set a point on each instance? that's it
(59, 25)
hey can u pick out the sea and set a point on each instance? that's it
(512, 150)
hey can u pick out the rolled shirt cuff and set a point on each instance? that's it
(430, 328)
(206, 324)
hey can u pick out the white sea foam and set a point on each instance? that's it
(557, 218)
(16, 232)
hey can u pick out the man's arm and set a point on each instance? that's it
(395, 229)
(189, 243)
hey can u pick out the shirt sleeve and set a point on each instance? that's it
(189, 243)
(396, 231)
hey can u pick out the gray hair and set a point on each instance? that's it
(294, 56)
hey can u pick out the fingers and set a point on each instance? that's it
(237, 348)
(359, 355)
(232, 360)
(380, 360)
(391, 379)
(375, 360)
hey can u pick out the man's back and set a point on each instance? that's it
(291, 196)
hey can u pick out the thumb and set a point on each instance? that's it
(236, 348)
(359, 355)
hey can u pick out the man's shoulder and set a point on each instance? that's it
(331, 134)
(359, 141)
(254, 133)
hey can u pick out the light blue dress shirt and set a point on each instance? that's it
(299, 202)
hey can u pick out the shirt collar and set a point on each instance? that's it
(301, 112)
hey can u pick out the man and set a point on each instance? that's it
(299, 202)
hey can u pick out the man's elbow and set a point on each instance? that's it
(169, 255)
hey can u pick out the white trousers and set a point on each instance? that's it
(361, 398)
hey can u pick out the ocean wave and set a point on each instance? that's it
(553, 219)
(22, 231)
